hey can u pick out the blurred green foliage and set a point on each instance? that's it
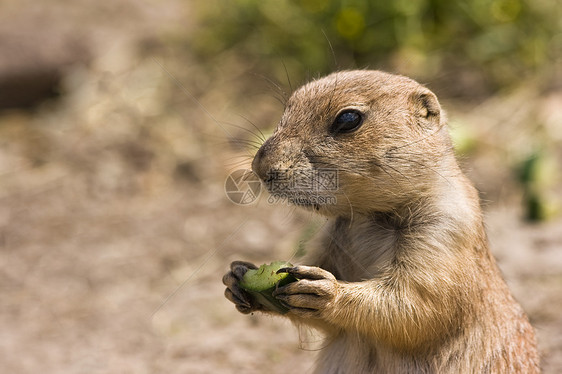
(501, 40)
(537, 173)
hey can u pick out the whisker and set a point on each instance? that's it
(287, 75)
(392, 149)
(261, 136)
(230, 140)
(244, 143)
(393, 169)
(278, 89)
(420, 164)
(331, 49)
(364, 175)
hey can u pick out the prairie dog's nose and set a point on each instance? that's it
(260, 166)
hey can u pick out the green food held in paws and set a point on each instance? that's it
(264, 277)
(261, 282)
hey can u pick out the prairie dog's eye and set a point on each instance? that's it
(347, 121)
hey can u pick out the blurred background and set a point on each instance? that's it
(120, 122)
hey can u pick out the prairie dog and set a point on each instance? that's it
(402, 279)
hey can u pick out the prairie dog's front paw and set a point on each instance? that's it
(313, 295)
(240, 298)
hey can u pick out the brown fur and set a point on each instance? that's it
(403, 280)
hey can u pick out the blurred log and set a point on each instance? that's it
(33, 61)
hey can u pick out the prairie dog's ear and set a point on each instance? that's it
(425, 105)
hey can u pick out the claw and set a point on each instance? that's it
(307, 272)
(236, 299)
(239, 268)
(285, 304)
(233, 292)
(289, 270)
(243, 309)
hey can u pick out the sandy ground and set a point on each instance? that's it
(115, 232)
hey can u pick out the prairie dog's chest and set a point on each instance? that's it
(358, 250)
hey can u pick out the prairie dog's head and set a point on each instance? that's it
(356, 141)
